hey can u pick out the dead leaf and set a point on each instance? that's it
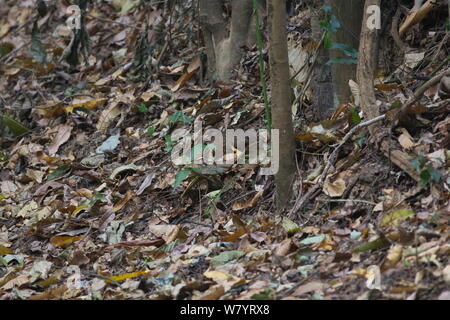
(336, 187)
(63, 241)
(122, 202)
(213, 293)
(79, 258)
(61, 137)
(405, 140)
(16, 282)
(168, 232)
(393, 257)
(227, 280)
(107, 116)
(373, 276)
(146, 183)
(312, 286)
(242, 205)
(192, 68)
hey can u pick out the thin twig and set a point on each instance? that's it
(348, 200)
(116, 22)
(301, 201)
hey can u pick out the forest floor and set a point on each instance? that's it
(91, 206)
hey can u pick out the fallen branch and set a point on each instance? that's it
(417, 16)
(331, 159)
(418, 94)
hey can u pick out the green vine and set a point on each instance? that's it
(331, 25)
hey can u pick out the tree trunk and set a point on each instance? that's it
(321, 83)
(367, 63)
(349, 13)
(223, 48)
(214, 30)
(281, 101)
(241, 13)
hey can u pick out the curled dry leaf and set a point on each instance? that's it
(168, 232)
(122, 202)
(405, 140)
(242, 205)
(336, 187)
(61, 137)
(107, 116)
(393, 257)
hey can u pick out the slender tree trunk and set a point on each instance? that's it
(349, 13)
(281, 101)
(367, 63)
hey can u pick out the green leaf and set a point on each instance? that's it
(362, 139)
(98, 197)
(142, 108)
(15, 127)
(393, 218)
(331, 25)
(289, 226)
(313, 240)
(267, 294)
(396, 105)
(59, 172)
(373, 245)
(334, 24)
(37, 49)
(5, 48)
(348, 50)
(227, 256)
(435, 174)
(327, 43)
(180, 117)
(150, 131)
(354, 116)
(169, 143)
(214, 194)
(326, 9)
(13, 257)
(181, 176)
(424, 178)
(418, 162)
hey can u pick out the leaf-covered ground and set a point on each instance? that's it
(91, 206)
